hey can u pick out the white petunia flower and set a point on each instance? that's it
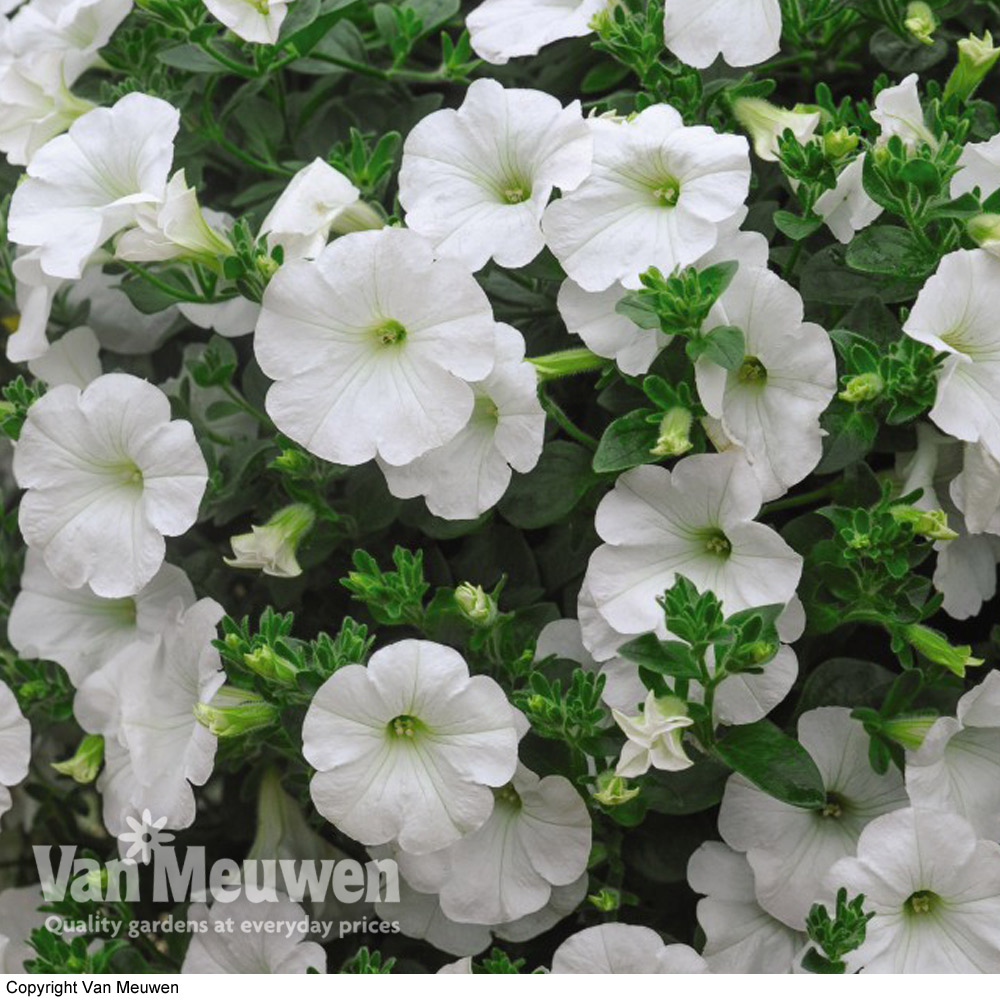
(898, 112)
(790, 849)
(537, 837)
(979, 168)
(659, 195)
(975, 491)
(935, 892)
(420, 916)
(766, 123)
(501, 30)
(232, 318)
(87, 185)
(175, 228)
(34, 293)
(593, 317)
(38, 104)
(409, 748)
(81, 631)
(848, 208)
(770, 406)
(695, 520)
(467, 476)
(252, 20)
(15, 746)
(654, 738)
(743, 32)
(310, 206)
(957, 767)
(251, 947)
(271, 547)
(955, 314)
(142, 701)
(78, 28)
(965, 573)
(623, 948)
(476, 181)
(71, 360)
(107, 474)
(373, 346)
(740, 937)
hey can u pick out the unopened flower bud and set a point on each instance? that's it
(83, 766)
(936, 648)
(613, 790)
(863, 388)
(931, 524)
(976, 57)
(909, 730)
(839, 143)
(476, 605)
(265, 662)
(766, 123)
(271, 547)
(985, 230)
(920, 22)
(233, 712)
(293, 461)
(607, 900)
(674, 435)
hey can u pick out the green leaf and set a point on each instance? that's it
(682, 793)
(774, 762)
(145, 297)
(627, 442)
(639, 310)
(889, 250)
(552, 489)
(850, 436)
(725, 346)
(795, 227)
(603, 77)
(923, 175)
(305, 40)
(191, 59)
(670, 658)
(843, 681)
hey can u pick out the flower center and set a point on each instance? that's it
(834, 807)
(404, 726)
(389, 333)
(127, 473)
(507, 796)
(516, 194)
(668, 192)
(752, 371)
(717, 544)
(485, 411)
(261, 6)
(923, 902)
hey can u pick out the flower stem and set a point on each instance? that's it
(803, 500)
(556, 412)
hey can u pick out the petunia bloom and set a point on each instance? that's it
(108, 474)
(658, 196)
(373, 346)
(409, 748)
(476, 181)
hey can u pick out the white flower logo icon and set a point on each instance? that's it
(145, 837)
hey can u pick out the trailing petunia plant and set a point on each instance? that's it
(511, 486)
